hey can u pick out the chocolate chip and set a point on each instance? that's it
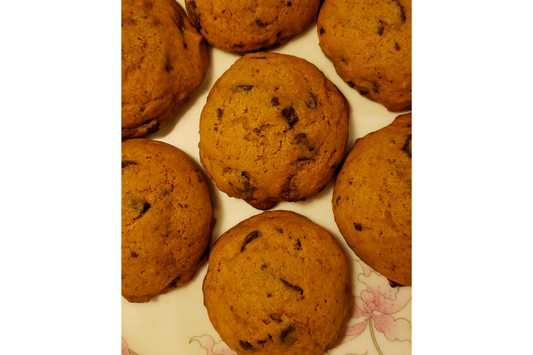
(243, 88)
(322, 31)
(126, 163)
(300, 138)
(311, 102)
(251, 236)
(298, 245)
(260, 23)
(289, 4)
(375, 87)
(397, 46)
(357, 226)
(276, 317)
(364, 91)
(292, 287)
(185, 46)
(407, 146)
(138, 205)
(290, 115)
(246, 345)
(286, 331)
(381, 28)
(219, 113)
(169, 68)
(245, 179)
(194, 15)
(350, 84)
(400, 10)
(134, 254)
(275, 101)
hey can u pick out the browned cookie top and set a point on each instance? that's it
(273, 129)
(167, 218)
(372, 200)
(164, 59)
(249, 25)
(277, 283)
(369, 43)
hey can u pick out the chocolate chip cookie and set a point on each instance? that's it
(274, 128)
(277, 283)
(164, 60)
(372, 200)
(167, 218)
(369, 44)
(248, 25)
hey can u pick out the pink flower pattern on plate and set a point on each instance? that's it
(376, 305)
(207, 342)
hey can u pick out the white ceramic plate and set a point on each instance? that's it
(177, 322)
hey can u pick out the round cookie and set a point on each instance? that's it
(164, 60)
(372, 200)
(248, 25)
(277, 283)
(369, 44)
(167, 218)
(273, 129)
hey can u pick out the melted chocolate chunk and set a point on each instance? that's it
(126, 163)
(407, 146)
(260, 23)
(286, 331)
(194, 15)
(251, 236)
(275, 101)
(246, 345)
(358, 226)
(243, 88)
(292, 287)
(290, 115)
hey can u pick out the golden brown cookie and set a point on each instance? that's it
(164, 60)
(167, 218)
(248, 25)
(372, 200)
(369, 43)
(273, 129)
(277, 283)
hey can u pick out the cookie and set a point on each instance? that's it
(164, 60)
(248, 25)
(372, 200)
(277, 283)
(369, 44)
(167, 218)
(274, 128)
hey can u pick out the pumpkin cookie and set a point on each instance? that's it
(372, 200)
(167, 218)
(277, 283)
(273, 129)
(164, 60)
(369, 44)
(248, 25)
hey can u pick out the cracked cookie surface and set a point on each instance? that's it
(274, 128)
(167, 218)
(369, 44)
(277, 283)
(164, 60)
(372, 200)
(250, 25)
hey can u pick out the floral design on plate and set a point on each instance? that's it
(375, 308)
